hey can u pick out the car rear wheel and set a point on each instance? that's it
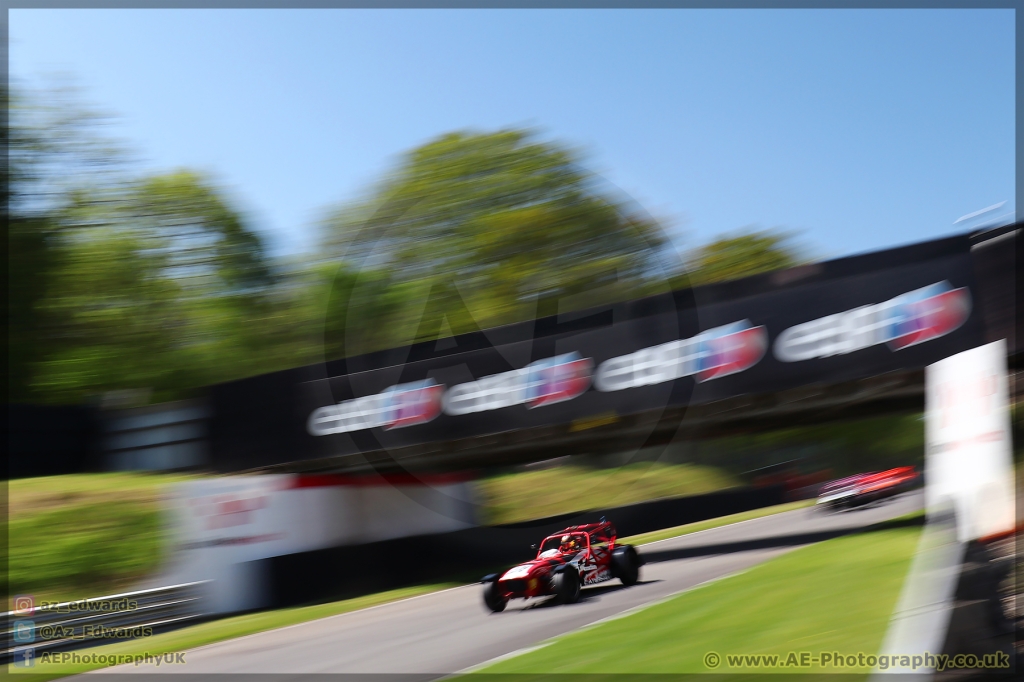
(567, 587)
(493, 598)
(626, 564)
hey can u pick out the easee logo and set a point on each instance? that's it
(399, 406)
(928, 313)
(544, 382)
(907, 320)
(712, 354)
(415, 403)
(731, 349)
(557, 379)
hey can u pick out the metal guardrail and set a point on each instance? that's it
(119, 617)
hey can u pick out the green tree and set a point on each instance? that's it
(55, 146)
(741, 254)
(477, 230)
(204, 244)
(119, 280)
(106, 316)
(158, 285)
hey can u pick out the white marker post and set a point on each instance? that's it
(968, 492)
(967, 435)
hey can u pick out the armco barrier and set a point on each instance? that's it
(468, 554)
(69, 625)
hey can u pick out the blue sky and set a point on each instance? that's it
(860, 129)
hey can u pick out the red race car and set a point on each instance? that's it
(863, 489)
(566, 562)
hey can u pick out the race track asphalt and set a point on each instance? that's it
(449, 631)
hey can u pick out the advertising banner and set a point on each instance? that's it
(822, 324)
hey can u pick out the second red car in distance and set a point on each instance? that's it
(862, 489)
(566, 561)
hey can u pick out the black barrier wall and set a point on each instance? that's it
(641, 363)
(468, 554)
(44, 440)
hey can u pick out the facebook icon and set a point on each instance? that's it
(25, 658)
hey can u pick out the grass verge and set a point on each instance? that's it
(219, 630)
(522, 496)
(85, 535)
(675, 531)
(836, 596)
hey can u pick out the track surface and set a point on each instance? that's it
(449, 631)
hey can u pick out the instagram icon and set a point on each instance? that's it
(24, 605)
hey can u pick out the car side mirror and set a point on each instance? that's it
(533, 546)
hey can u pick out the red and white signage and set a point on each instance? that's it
(967, 433)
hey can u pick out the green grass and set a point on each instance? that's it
(523, 496)
(85, 535)
(685, 529)
(833, 596)
(223, 629)
(31, 495)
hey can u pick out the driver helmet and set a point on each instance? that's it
(568, 543)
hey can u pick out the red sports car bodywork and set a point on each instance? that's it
(566, 561)
(864, 488)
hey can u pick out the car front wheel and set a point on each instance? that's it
(567, 587)
(626, 565)
(493, 598)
